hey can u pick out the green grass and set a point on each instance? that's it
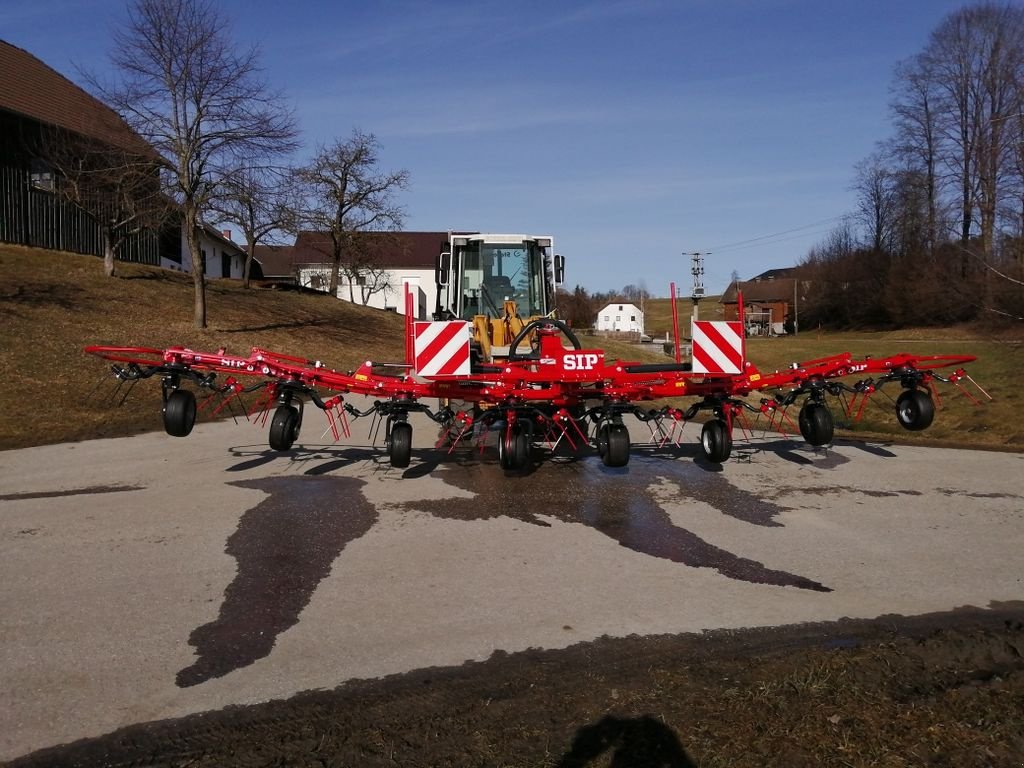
(54, 304)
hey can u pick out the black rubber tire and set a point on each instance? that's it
(513, 447)
(180, 413)
(715, 441)
(915, 410)
(615, 441)
(400, 444)
(816, 424)
(284, 427)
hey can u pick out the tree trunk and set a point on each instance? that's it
(249, 256)
(108, 253)
(198, 266)
(335, 271)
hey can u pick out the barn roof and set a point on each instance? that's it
(410, 250)
(770, 289)
(35, 90)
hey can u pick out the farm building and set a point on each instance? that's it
(48, 125)
(770, 302)
(390, 263)
(620, 317)
(40, 113)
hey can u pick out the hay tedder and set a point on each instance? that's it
(487, 375)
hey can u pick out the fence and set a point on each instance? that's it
(39, 218)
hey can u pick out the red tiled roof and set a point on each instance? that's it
(32, 89)
(276, 260)
(412, 250)
(778, 289)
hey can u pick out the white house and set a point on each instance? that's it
(621, 317)
(403, 261)
(224, 257)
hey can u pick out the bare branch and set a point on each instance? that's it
(200, 101)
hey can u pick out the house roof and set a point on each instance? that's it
(275, 260)
(775, 274)
(410, 250)
(217, 236)
(34, 90)
(759, 289)
(619, 304)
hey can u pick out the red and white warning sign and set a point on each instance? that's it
(717, 346)
(441, 348)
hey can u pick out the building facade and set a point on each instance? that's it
(620, 317)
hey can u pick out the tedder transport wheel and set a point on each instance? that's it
(613, 445)
(715, 441)
(513, 447)
(400, 444)
(915, 410)
(816, 424)
(284, 428)
(180, 413)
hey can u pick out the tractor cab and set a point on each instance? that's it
(498, 283)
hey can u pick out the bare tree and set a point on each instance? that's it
(346, 194)
(975, 62)
(876, 201)
(188, 90)
(116, 185)
(259, 200)
(916, 144)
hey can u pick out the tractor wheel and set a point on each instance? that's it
(715, 441)
(400, 444)
(615, 439)
(180, 413)
(816, 424)
(513, 447)
(915, 410)
(284, 427)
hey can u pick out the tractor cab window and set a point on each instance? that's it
(494, 272)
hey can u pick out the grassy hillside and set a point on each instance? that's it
(658, 314)
(54, 304)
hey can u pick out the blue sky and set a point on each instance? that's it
(633, 132)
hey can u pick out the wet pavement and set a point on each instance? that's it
(153, 577)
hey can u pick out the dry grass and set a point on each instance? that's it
(54, 304)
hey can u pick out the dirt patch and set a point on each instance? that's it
(939, 690)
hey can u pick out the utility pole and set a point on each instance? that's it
(697, 269)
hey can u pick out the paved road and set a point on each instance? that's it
(153, 577)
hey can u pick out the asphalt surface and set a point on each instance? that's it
(153, 577)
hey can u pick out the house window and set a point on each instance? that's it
(41, 174)
(606, 318)
(618, 318)
(620, 309)
(632, 318)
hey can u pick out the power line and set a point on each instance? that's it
(720, 248)
(774, 242)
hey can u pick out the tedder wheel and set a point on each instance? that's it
(816, 424)
(284, 428)
(613, 445)
(180, 412)
(513, 447)
(915, 410)
(400, 444)
(715, 441)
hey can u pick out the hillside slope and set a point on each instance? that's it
(54, 304)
